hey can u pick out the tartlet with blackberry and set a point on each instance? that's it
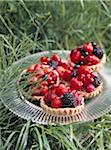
(89, 54)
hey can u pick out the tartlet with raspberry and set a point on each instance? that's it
(89, 54)
(83, 80)
(62, 101)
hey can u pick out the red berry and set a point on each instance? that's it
(53, 75)
(90, 88)
(44, 83)
(43, 90)
(84, 70)
(55, 57)
(50, 80)
(88, 47)
(67, 75)
(82, 77)
(48, 97)
(89, 78)
(56, 102)
(60, 70)
(44, 60)
(65, 65)
(37, 67)
(61, 90)
(75, 56)
(92, 60)
(76, 84)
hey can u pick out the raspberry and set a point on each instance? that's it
(76, 84)
(88, 47)
(60, 70)
(44, 60)
(90, 88)
(69, 100)
(92, 60)
(61, 90)
(55, 57)
(67, 75)
(56, 102)
(84, 70)
(75, 56)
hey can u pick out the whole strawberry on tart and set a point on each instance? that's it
(89, 54)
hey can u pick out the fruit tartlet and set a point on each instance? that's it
(37, 80)
(83, 80)
(62, 101)
(88, 54)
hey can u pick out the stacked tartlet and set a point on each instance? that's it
(61, 86)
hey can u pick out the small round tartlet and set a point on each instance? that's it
(56, 108)
(88, 54)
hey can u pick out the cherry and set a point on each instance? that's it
(56, 102)
(90, 88)
(88, 47)
(55, 57)
(76, 84)
(61, 90)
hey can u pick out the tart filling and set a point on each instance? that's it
(88, 54)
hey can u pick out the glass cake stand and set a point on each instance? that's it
(19, 105)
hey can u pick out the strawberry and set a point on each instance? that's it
(61, 90)
(88, 47)
(37, 67)
(76, 84)
(92, 60)
(44, 60)
(90, 88)
(75, 56)
(82, 77)
(89, 78)
(56, 102)
(55, 57)
(43, 90)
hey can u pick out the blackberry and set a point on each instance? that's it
(98, 52)
(94, 44)
(97, 81)
(83, 52)
(69, 100)
(36, 102)
(74, 73)
(53, 64)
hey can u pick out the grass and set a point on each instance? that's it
(30, 27)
